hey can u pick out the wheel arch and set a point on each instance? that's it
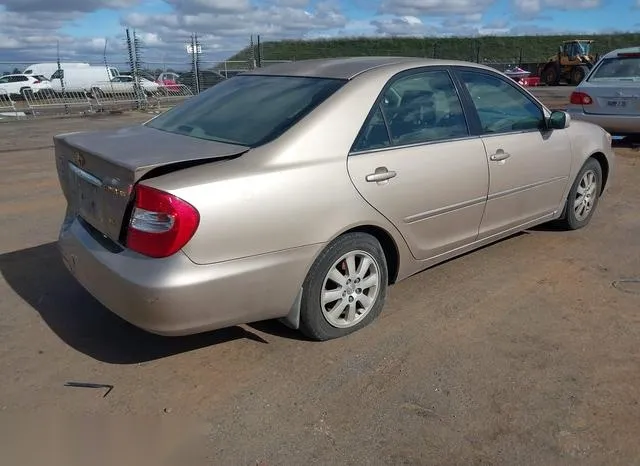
(389, 247)
(604, 164)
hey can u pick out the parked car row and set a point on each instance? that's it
(20, 85)
(100, 81)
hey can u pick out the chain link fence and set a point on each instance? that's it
(157, 79)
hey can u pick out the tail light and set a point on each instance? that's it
(161, 223)
(580, 98)
(37, 81)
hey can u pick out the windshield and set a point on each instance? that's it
(247, 110)
(585, 48)
(617, 69)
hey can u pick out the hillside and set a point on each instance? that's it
(495, 49)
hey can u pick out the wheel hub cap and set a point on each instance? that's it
(585, 195)
(350, 289)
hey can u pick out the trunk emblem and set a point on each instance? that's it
(112, 185)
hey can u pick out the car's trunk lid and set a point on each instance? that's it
(613, 97)
(98, 170)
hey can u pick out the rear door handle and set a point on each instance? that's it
(381, 174)
(499, 156)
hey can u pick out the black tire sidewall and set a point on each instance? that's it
(570, 217)
(312, 321)
(578, 75)
(550, 75)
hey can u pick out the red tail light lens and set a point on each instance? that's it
(37, 81)
(580, 98)
(161, 223)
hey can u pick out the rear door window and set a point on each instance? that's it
(417, 108)
(424, 107)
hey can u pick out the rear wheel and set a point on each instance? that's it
(583, 198)
(345, 289)
(551, 75)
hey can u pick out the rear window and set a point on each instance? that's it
(247, 110)
(617, 69)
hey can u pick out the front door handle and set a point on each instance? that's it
(380, 174)
(499, 156)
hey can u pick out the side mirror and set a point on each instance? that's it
(558, 120)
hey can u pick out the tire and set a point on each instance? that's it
(315, 320)
(571, 220)
(578, 73)
(551, 75)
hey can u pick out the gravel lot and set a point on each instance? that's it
(523, 352)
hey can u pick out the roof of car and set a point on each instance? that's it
(342, 68)
(613, 53)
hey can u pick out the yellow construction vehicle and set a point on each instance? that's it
(571, 64)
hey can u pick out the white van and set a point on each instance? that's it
(47, 69)
(82, 79)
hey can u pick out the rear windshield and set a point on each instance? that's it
(247, 110)
(618, 69)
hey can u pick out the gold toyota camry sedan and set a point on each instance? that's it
(301, 191)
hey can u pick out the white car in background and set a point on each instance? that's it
(123, 84)
(609, 96)
(22, 84)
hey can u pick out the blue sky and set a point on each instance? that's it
(611, 14)
(81, 26)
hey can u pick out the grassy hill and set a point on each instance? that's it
(496, 49)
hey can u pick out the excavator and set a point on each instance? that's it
(571, 64)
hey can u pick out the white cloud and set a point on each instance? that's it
(400, 26)
(534, 8)
(84, 6)
(434, 7)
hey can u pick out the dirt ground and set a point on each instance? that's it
(524, 352)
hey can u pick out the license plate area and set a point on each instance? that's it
(617, 103)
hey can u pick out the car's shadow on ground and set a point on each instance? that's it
(38, 276)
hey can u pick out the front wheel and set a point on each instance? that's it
(578, 74)
(345, 289)
(584, 196)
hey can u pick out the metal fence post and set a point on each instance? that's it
(194, 62)
(61, 72)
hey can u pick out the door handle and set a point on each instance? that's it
(380, 174)
(499, 156)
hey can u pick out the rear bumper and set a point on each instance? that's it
(174, 296)
(614, 124)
